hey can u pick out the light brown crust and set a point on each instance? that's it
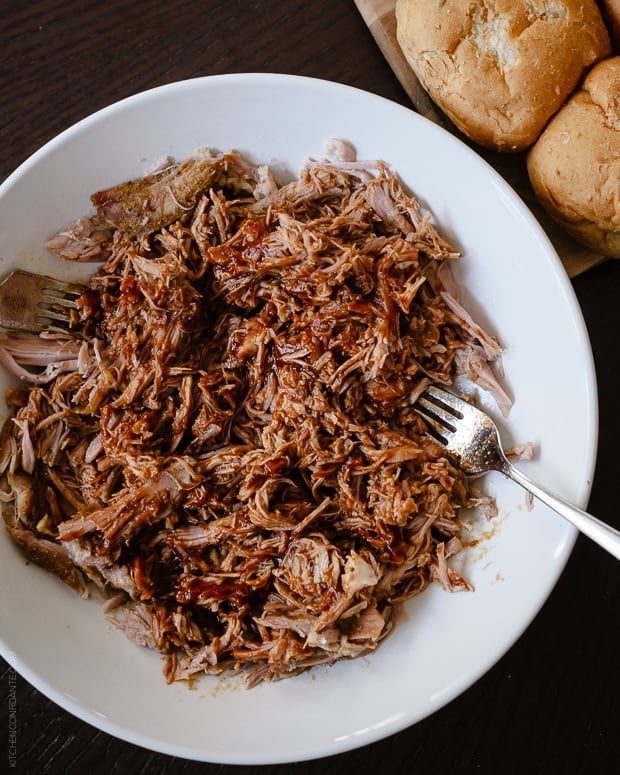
(499, 69)
(574, 167)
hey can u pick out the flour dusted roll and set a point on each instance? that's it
(499, 69)
(574, 167)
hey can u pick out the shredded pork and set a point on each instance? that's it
(234, 456)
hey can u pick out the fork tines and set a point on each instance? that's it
(440, 409)
(54, 308)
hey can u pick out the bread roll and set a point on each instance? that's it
(575, 164)
(499, 69)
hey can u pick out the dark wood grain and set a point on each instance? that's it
(550, 705)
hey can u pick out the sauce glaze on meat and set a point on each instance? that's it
(232, 451)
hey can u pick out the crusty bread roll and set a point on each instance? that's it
(499, 69)
(575, 164)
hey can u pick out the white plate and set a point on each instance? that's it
(515, 285)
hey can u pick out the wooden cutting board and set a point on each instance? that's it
(381, 21)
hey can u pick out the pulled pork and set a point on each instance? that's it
(233, 453)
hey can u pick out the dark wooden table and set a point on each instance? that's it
(550, 705)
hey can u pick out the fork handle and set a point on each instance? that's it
(602, 534)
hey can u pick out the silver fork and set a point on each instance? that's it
(472, 438)
(33, 302)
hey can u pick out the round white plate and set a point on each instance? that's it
(514, 284)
